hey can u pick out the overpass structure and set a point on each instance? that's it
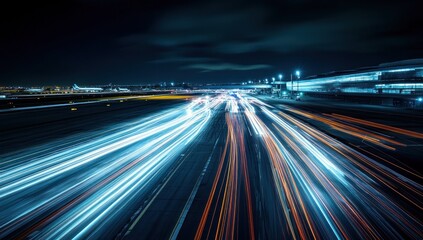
(237, 86)
(403, 78)
(255, 87)
(397, 81)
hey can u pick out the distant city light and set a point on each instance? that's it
(280, 76)
(420, 99)
(402, 70)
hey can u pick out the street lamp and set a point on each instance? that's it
(298, 74)
(280, 84)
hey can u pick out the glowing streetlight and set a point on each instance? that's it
(298, 74)
(280, 84)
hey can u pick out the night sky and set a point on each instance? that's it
(93, 42)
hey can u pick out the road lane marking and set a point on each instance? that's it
(187, 206)
(152, 200)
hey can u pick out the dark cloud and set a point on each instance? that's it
(182, 59)
(253, 29)
(207, 24)
(210, 67)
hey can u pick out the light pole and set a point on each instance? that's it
(298, 74)
(280, 84)
(292, 87)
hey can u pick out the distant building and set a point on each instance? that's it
(397, 78)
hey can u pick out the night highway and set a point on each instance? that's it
(222, 119)
(211, 166)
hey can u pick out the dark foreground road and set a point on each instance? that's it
(226, 166)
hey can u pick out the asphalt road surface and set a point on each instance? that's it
(225, 166)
